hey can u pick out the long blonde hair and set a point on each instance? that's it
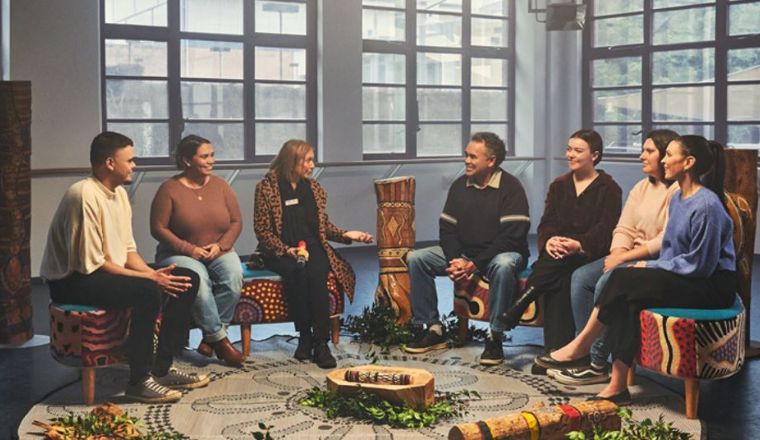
(291, 154)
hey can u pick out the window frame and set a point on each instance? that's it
(409, 49)
(172, 36)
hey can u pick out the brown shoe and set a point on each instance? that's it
(205, 349)
(228, 353)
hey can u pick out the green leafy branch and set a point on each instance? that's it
(633, 430)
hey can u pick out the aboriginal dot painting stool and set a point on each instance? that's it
(471, 302)
(88, 338)
(262, 301)
(693, 344)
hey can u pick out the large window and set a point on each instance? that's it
(692, 66)
(433, 72)
(238, 72)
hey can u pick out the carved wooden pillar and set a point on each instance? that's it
(15, 212)
(741, 184)
(395, 238)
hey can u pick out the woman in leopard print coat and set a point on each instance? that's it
(290, 208)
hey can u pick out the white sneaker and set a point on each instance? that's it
(583, 376)
(150, 391)
(184, 381)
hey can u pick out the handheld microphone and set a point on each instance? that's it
(302, 255)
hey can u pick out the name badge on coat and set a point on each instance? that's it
(291, 202)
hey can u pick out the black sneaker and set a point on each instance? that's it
(494, 351)
(583, 376)
(322, 356)
(304, 348)
(430, 341)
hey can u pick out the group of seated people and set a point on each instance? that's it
(604, 265)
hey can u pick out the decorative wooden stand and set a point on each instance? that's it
(418, 394)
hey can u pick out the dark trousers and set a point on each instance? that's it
(108, 291)
(306, 290)
(551, 278)
(630, 290)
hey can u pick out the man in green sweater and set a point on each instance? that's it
(483, 229)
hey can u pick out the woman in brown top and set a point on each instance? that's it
(581, 210)
(196, 219)
(291, 207)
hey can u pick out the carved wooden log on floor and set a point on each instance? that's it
(545, 423)
(419, 393)
(395, 238)
(740, 183)
(15, 212)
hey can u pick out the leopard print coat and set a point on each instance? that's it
(267, 223)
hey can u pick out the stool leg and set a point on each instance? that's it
(335, 329)
(462, 326)
(691, 388)
(632, 375)
(245, 336)
(88, 385)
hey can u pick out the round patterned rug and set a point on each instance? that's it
(270, 384)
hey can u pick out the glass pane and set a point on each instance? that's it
(488, 72)
(383, 103)
(383, 25)
(280, 101)
(212, 16)
(490, 7)
(151, 138)
(617, 105)
(684, 104)
(695, 65)
(439, 104)
(270, 136)
(280, 17)
(439, 140)
(616, 72)
(744, 102)
(744, 64)
(386, 68)
(744, 136)
(281, 64)
(684, 25)
(620, 138)
(386, 3)
(227, 139)
(439, 30)
(212, 100)
(619, 31)
(138, 12)
(658, 4)
(609, 7)
(489, 32)
(706, 131)
(744, 19)
(500, 130)
(383, 138)
(130, 99)
(440, 5)
(439, 69)
(211, 59)
(488, 105)
(135, 58)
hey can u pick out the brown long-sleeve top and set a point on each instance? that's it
(182, 218)
(589, 217)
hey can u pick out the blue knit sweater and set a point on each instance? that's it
(698, 238)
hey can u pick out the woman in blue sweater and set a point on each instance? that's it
(695, 269)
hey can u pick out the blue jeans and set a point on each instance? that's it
(585, 287)
(218, 293)
(425, 264)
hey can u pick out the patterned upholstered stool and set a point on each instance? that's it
(262, 301)
(692, 344)
(471, 302)
(88, 338)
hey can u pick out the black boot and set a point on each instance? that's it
(305, 345)
(322, 356)
(511, 318)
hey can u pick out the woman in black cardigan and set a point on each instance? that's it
(581, 210)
